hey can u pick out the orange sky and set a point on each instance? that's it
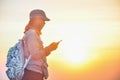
(90, 30)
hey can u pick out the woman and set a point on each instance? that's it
(37, 66)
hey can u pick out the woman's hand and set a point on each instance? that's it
(53, 46)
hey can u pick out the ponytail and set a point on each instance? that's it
(28, 26)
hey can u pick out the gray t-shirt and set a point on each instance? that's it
(34, 46)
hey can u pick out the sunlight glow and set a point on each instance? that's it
(77, 58)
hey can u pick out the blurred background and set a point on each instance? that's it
(90, 30)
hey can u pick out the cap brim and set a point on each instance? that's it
(47, 19)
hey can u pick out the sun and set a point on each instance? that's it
(76, 55)
(77, 58)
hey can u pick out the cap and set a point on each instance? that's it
(39, 13)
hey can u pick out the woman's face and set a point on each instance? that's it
(38, 23)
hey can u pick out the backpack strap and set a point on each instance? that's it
(28, 59)
(26, 62)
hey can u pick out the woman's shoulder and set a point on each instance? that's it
(30, 31)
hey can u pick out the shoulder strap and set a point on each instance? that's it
(28, 59)
(26, 62)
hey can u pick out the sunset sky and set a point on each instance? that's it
(89, 30)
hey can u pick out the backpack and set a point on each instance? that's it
(16, 62)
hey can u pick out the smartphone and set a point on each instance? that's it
(59, 41)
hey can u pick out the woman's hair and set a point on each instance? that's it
(28, 26)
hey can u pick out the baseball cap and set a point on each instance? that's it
(39, 13)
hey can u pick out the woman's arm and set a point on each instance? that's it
(34, 46)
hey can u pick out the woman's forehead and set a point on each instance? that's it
(38, 19)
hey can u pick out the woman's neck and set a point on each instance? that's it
(37, 31)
